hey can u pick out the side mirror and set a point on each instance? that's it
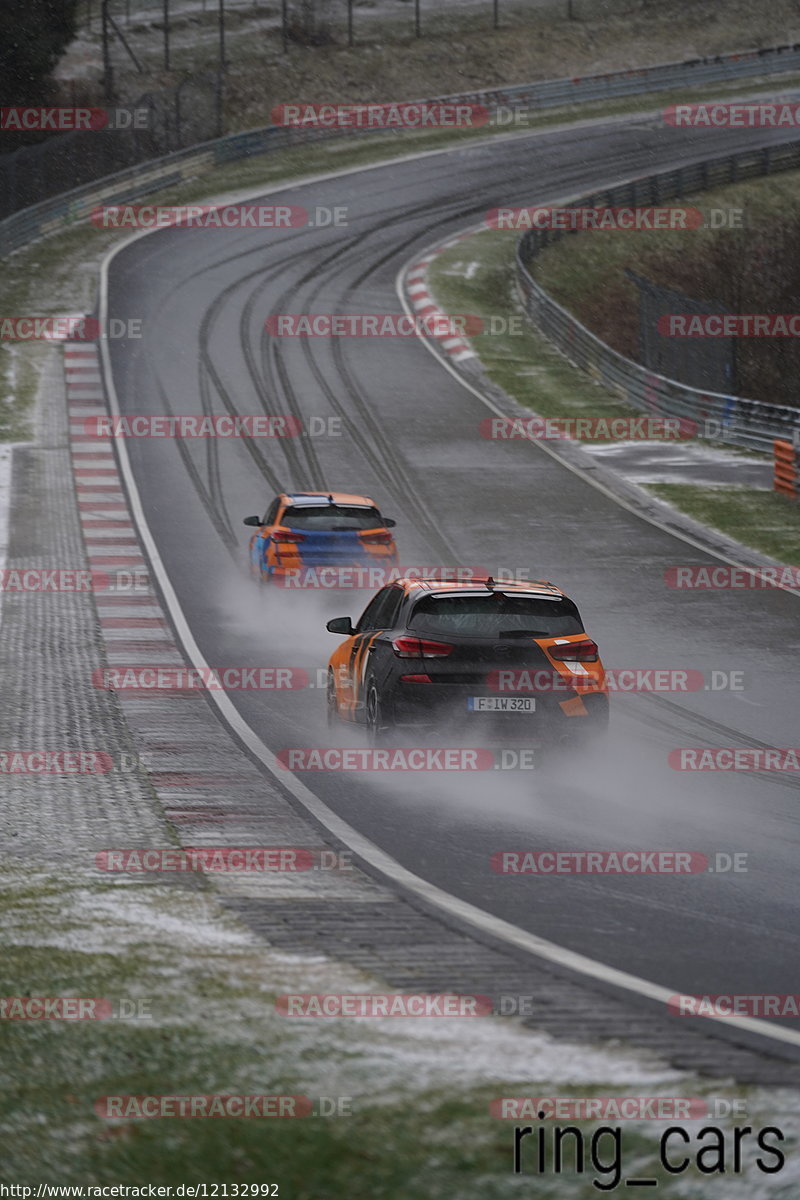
(252, 521)
(340, 625)
(389, 523)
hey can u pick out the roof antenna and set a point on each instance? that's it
(490, 583)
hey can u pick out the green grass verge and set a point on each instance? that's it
(477, 277)
(765, 521)
(579, 265)
(586, 273)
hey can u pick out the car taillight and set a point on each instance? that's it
(380, 538)
(411, 647)
(415, 679)
(287, 535)
(585, 651)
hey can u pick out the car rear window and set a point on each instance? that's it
(495, 615)
(331, 517)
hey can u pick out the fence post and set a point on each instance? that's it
(178, 118)
(166, 35)
(219, 104)
(108, 89)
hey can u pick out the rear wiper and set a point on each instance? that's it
(521, 633)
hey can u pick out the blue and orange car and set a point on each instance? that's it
(302, 532)
(507, 659)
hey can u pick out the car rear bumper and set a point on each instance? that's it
(438, 707)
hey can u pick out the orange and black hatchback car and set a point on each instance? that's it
(506, 659)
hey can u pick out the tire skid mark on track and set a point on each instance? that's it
(212, 498)
(377, 449)
(259, 375)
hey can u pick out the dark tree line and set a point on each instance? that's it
(33, 35)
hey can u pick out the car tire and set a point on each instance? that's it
(256, 573)
(331, 703)
(598, 721)
(379, 731)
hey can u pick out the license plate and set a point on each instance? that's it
(516, 704)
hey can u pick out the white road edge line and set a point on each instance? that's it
(6, 466)
(383, 863)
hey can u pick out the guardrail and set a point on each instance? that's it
(733, 419)
(550, 93)
(51, 215)
(787, 468)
